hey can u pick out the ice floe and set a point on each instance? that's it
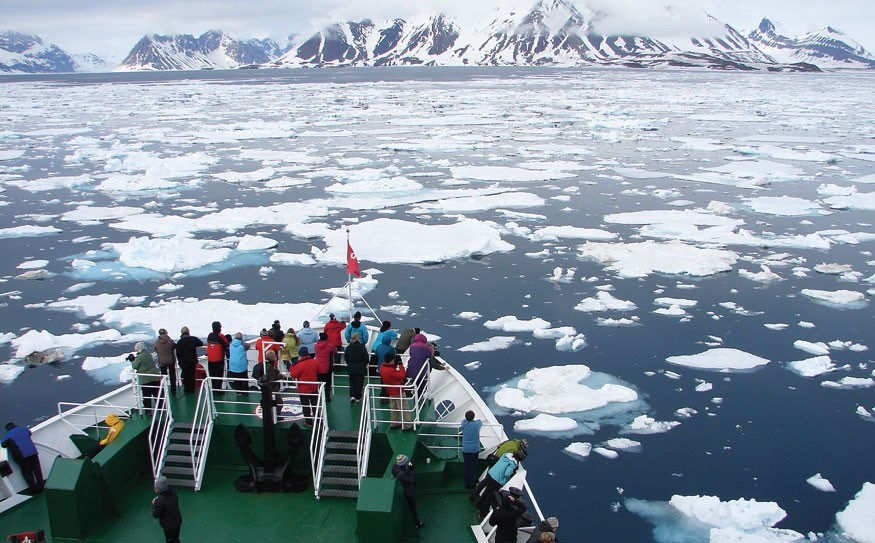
(604, 301)
(855, 520)
(721, 359)
(818, 482)
(642, 259)
(545, 423)
(812, 367)
(836, 298)
(495, 343)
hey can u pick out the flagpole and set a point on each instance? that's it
(349, 280)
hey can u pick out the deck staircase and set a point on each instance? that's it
(178, 465)
(340, 472)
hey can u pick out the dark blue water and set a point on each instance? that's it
(772, 429)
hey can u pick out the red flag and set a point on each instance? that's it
(352, 263)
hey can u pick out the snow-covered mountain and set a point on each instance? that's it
(213, 49)
(23, 53)
(828, 48)
(551, 33)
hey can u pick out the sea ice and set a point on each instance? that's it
(607, 453)
(818, 482)
(512, 324)
(838, 298)
(622, 443)
(554, 233)
(764, 276)
(604, 301)
(545, 423)
(28, 231)
(495, 343)
(33, 341)
(581, 449)
(721, 359)
(644, 424)
(856, 519)
(507, 174)
(169, 255)
(469, 315)
(635, 260)
(561, 389)
(812, 367)
(783, 206)
(818, 348)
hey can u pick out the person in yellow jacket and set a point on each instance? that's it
(115, 427)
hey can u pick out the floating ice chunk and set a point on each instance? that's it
(506, 173)
(704, 386)
(10, 372)
(558, 276)
(581, 449)
(856, 519)
(740, 514)
(469, 315)
(28, 231)
(11, 154)
(89, 306)
(686, 216)
(861, 201)
(622, 443)
(764, 276)
(759, 172)
(818, 482)
(545, 423)
(812, 367)
(838, 298)
(495, 343)
(607, 453)
(635, 173)
(721, 359)
(34, 341)
(255, 243)
(671, 311)
(554, 233)
(292, 259)
(246, 177)
(805, 324)
(783, 206)
(635, 260)
(603, 321)
(833, 269)
(850, 383)
(571, 343)
(604, 301)
(685, 412)
(510, 323)
(171, 255)
(33, 265)
(561, 389)
(384, 185)
(389, 241)
(679, 302)
(776, 326)
(554, 333)
(51, 183)
(829, 189)
(397, 309)
(818, 348)
(86, 214)
(644, 424)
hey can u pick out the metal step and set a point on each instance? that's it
(181, 482)
(343, 433)
(341, 457)
(341, 481)
(341, 445)
(181, 447)
(333, 493)
(335, 468)
(178, 459)
(177, 470)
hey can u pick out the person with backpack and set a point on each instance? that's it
(497, 476)
(218, 350)
(186, 353)
(506, 517)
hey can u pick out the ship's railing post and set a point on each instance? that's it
(199, 441)
(319, 439)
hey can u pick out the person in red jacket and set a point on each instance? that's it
(272, 345)
(304, 370)
(325, 353)
(392, 373)
(333, 329)
(218, 349)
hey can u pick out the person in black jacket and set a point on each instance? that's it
(218, 346)
(186, 354)
(356, 356)
(165, 507)
(402, 471)
(506, 518)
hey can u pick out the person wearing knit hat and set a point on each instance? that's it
(187, 355)
(165, 349)
(546, 526)
(165, 508)
(148, 376)
(402, 471)
(305, 371)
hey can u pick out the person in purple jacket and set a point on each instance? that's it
(23, 451)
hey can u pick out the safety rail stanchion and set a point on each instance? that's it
(319, 439)
(89, 410)
(201, 432)
(363, 440)
(159, 427)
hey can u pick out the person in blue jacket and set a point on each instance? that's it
(470, 429)
(356, 326)
(497, 476)
(23, 451)
(308, 337)
(238, 364)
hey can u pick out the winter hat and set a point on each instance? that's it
(402, 460)
(323, 336)
(515, 492)
(331, 316)
(161, 484)
(306, 324)
(357, 316)
(386, 326)
(217, 326)
(553, 522)
(140, 347)
(263, 332)
(303, 350)
(162, 332)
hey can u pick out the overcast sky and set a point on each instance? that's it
(112, 27)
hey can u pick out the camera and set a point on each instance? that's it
(130, 358)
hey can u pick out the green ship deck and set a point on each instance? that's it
(220, 513)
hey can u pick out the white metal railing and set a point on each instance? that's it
(424, 434)
(484, 532)
(160, 427)
(319, 440)
(81, 416)
(201, 432)
(366, 431)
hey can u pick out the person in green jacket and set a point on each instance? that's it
(144, 366)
